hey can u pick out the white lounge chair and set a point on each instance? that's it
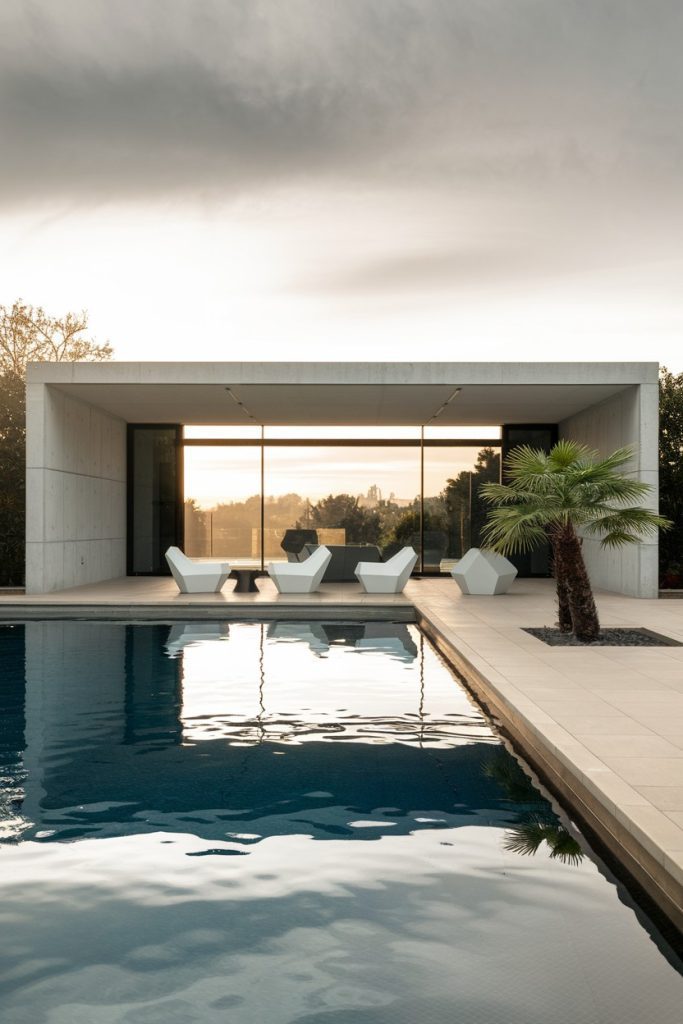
(300, 577)
(481, 571)
(387, 577)
(195, 577)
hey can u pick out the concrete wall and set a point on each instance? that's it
(631, 417)
(75, 492)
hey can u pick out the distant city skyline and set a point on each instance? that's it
(338, 179)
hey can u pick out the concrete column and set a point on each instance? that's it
(628, 418)
(75, 492)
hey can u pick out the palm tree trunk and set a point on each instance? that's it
(564, 615)
(584, 614)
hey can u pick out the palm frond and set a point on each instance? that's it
(633, 522)
(618, 539)
(526, 461)
(501, 494)
(614, 489)
(566, 454)
(516, 528)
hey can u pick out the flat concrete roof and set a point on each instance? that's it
(324, 394)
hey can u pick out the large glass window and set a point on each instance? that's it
(454, 513)
(223, 502)
(348, 494)
(382, 486)
(245, 486)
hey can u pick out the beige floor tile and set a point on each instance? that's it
(666, 798)
(676, 817)
(648, 771)
(572, 706)
(629, 746)
(608, 786)
(659, 829)
(605, 725)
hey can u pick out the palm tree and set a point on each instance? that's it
(551, 496)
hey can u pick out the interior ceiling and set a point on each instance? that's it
(340, 404)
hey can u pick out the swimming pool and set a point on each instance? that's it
(284, 822)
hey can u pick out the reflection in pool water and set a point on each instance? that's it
(287, 822)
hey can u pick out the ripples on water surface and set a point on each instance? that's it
(288, 822)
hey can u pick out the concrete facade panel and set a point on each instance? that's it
(35, 505)
(628, 418)
(76, 503)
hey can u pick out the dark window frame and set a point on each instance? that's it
(554, 431)
(131, 429)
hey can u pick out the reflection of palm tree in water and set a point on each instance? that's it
(536, 826)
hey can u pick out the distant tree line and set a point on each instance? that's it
(671, 477)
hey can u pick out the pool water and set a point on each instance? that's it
(293, 821)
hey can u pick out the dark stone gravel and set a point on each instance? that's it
(608, 638)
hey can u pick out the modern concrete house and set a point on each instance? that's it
(125, 459)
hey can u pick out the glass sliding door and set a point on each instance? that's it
(154, 489)
(245, 487)
(454, 513)
(223, 502)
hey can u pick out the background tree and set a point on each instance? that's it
(28, 334)
(342, 511)
(465, 510)
(555, 496)
(671, 476)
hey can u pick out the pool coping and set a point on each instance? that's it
(159, 612)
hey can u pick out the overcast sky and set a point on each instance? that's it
(331, 179)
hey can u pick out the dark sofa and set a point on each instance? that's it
(345, 558)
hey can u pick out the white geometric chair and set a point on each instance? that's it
(480, 571)
(387, 577)
(195, 577)
(301, 577)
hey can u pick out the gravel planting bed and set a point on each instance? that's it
(608, 638)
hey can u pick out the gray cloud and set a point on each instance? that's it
(102, 100)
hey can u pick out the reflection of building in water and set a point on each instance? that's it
(112, 746)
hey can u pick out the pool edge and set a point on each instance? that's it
(565, 780)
